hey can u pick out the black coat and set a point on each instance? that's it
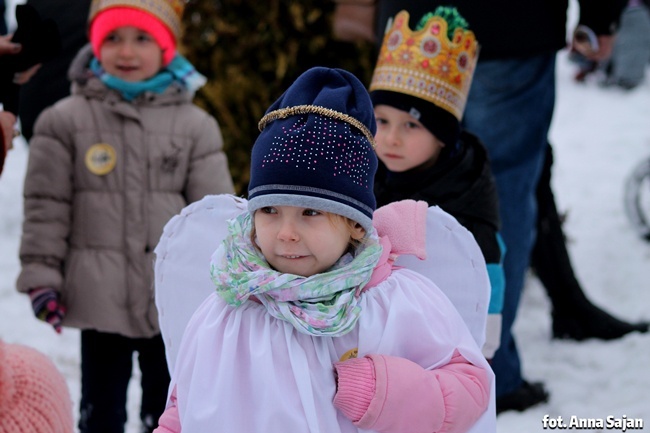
(3, 23)
(461, 185)
(51, 82)
(511, 28)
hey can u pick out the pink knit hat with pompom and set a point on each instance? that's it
(110, 19)
(34, 397)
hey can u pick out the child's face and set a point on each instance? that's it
(131, 54)
(301, 241)
(403, 142)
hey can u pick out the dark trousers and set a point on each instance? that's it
(106, 366)
(550, 257)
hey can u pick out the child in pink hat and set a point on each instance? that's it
(108, 167)
(33, 394)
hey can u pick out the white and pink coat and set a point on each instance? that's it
(416, 365)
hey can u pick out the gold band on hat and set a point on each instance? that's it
(283, 113)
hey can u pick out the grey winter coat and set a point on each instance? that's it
(94, 213)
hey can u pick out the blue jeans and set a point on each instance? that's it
(509, 108)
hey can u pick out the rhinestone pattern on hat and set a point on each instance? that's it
(327, 145)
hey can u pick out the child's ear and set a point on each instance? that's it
(358, 232)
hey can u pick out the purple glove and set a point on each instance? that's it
(47, 306)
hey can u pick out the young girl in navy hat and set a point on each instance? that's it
(310, 329)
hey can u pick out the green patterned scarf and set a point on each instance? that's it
(325, 304)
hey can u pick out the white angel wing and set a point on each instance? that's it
(182, 278)
(456, 265)
(182, 268)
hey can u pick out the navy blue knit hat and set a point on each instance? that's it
(316, 148)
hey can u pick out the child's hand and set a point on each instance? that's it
(355, 379)
(47, 306)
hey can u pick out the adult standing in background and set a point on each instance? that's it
(7, 119)
(8, 129)
(51, 83)
(509, 107)
(3, 22)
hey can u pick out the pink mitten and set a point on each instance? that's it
(405, 224)
(355, 387)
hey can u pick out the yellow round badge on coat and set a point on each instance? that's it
(101, 159)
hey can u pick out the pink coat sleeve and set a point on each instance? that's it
(169, 421)
(394, 395)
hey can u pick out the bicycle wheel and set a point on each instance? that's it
(637, 199)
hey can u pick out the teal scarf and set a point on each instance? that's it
(179, 70)
(325, 304)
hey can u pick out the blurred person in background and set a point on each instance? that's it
(34, 396)
(8, 127)
(51, 82)
(3, 21)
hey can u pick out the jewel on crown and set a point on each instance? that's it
(426, 64)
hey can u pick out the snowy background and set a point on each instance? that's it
(599, 135)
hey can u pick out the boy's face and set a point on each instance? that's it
(403, 142)
(301, 241)
(131, 54)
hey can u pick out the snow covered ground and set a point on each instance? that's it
(599, 135)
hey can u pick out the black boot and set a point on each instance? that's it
(574, 316)
(589, 321)
(527, 395)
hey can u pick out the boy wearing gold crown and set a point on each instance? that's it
(108, 167)
(419, 88)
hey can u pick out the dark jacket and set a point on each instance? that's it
(3, 23)
(51, 82)
(512, 28)
(462, 185)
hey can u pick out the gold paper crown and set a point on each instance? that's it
(167, 11)
(426, 64)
